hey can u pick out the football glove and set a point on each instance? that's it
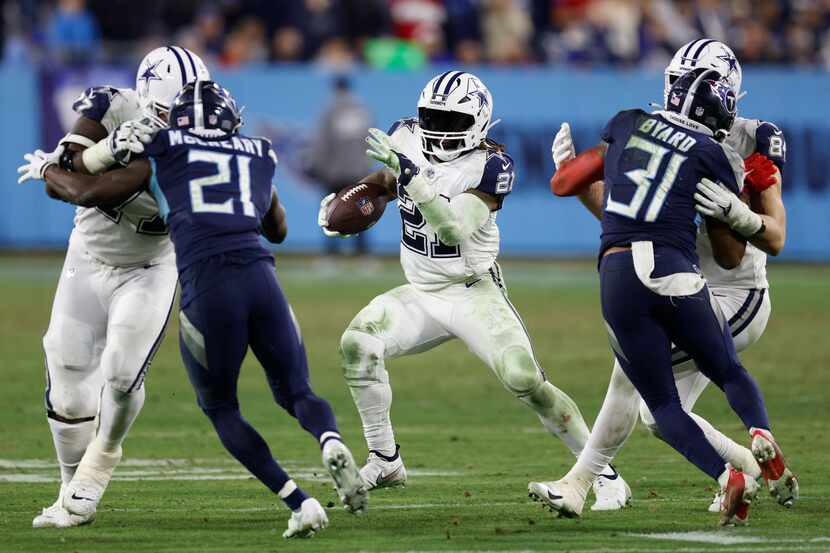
(562, 149)
(323, 217)
(37, 163)
(760, 172)
(713, 200)
(129, 138)
(380, 149)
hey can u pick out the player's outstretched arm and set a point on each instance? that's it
(728, 247)
(274, 226)
(769, 205)
(110, 188)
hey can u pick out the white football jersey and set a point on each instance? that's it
(132, 233)
(428, 263)
(746, 137)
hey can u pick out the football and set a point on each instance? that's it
(356, 208)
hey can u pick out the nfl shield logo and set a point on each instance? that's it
(675, 99)
(366, 206)
(183, 120)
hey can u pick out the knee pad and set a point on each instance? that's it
(122, 369)
(519, 371)
(362, 357)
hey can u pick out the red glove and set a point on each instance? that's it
(760, 172)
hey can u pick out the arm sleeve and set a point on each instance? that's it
(770, 141)
(498, 176)
(94, 102)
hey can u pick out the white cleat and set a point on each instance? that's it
(559, 497)
(717, 502)
(310, 519)
(611, 491)
(91, 478)
(739, 490)
(55, 516)
(383, 472)
(347, 480)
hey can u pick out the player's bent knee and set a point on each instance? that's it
(520, 373)
(361, 354)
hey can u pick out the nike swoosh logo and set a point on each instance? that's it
(505, 166)
(74, 496)
(553, 497)
(610, 477)
(469, 284)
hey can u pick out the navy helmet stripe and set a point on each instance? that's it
(701, 47)
(181, 64)
(438, 82)
(192, 63)
(689, 48)
(452, 80)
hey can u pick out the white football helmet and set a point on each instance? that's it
(709, 54)
(162, 74)
(454, 113)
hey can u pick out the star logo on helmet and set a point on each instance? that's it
(150, 73)
(730, 61)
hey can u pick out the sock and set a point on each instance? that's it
(326, 437)
(118, 412)
(71, 441)
(614, 424)
(737, 455)
(373, 403)
(248, 447)
(681, 432)
(292, 495)
(559, 415)
(363, 365)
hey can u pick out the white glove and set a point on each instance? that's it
(714, 200)
(380, 148)
(129, 138)
(322, 217)
(562, 149)
(37, 163)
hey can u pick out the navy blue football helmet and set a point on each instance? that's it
(205, 105)
(704, 96)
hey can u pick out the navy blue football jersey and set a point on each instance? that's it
(211, 192)
(652, 167)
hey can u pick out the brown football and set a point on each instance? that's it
(357, 207)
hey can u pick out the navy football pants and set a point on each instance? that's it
(228, 303)
(643, 325)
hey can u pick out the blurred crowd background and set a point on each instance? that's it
(411, 33)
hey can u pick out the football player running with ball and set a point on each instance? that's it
(214, 189)
(450, 182)
(741, 292)
(117, 285)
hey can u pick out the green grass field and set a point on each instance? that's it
(469, 446)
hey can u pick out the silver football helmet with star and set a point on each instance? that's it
(162, 74)
(707, 53)
(454, 112)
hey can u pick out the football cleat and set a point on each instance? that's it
(739, 489)
(611, 491)
(310, 519)
(559, 497)
(91, 478)
(782, 483)
(347, 480)
(717, 501)
(381, 471)
(55, 516)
